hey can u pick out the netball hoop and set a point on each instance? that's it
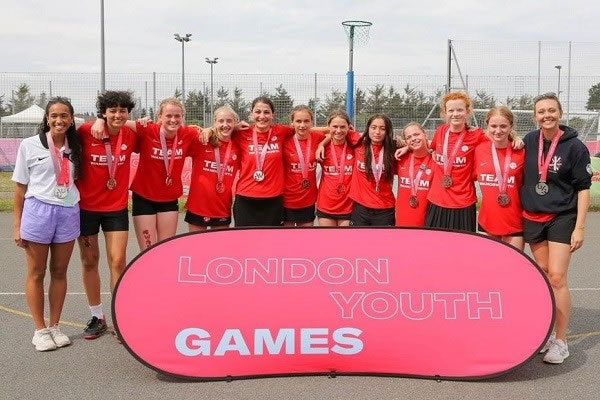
(358, 34)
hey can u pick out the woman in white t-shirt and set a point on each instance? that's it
(46, 215)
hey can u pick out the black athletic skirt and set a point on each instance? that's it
(460, 219)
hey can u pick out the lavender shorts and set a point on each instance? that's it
(48, 223)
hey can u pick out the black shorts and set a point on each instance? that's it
(515, 234)
(336, 217)
(365, 216)
(111, 221)
(458, 219)
(199, 220)
(557, 230)
(252, 211)
(299, 215)
(142, 206)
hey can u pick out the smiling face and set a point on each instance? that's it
(415, 137)
(262, 115)
(547, 114)
(456, 114)
(377, 131)
(302, 122)
(116, 117)
(59, 118)
(225, 122)
(171, 118)
(338, 127)
(499, 128)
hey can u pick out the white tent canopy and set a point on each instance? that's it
(31, 115)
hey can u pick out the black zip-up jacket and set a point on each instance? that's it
(570, 171)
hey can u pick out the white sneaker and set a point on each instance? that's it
(548, 343)
(60, 339)
(42, 340)
(557, 353)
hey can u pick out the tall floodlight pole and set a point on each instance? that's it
(183, 39)
(102, 58)
(558, 67)
(212, 63)
(357, 32)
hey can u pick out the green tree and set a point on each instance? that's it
(483, 99)
(194, 108)
(22, 99)
(3, 110)
(593, 102)
(222, 97)
(177, 94)
(377, 100)
(239, 104)
(42, 100)
(336, 100)
(283, 104)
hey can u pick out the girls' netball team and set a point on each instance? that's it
(72, 182)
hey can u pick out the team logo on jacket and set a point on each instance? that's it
(428, 171)
(556, 163)
(123, 147)
(349, 157)
(588, 168)
(465, 148)
(234, 157)
(180, 142)
(513, 165)
(274, 139)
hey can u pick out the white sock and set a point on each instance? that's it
(97, 311)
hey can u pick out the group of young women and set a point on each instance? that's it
(534, 190)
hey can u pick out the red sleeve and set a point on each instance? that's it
(285, 130)
(353, 137)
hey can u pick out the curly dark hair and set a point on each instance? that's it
(72, 136)
(114, 98)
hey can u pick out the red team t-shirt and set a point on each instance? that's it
(362, 189)
(149, 181)
(329, 200)
(95, 196)
(272, 185)
(203, 198)
(462, 192)
(493, 218)
(405, 214)
(294, 196)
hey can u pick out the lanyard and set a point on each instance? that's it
(222, 168)
(169, 162)
(339, 164)
(449, 162)
(543, 164)
(304, 160)
(260, 160)
(414, 181)
(502, 177)
(112, 167)
(59, 162)
(377, 168)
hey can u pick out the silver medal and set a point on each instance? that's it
(259, 176)
(61, 191)
(542, 188)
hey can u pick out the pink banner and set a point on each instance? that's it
(392, 301)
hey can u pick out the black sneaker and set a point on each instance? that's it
(94, 329)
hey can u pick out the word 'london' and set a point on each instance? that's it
(380, 305)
